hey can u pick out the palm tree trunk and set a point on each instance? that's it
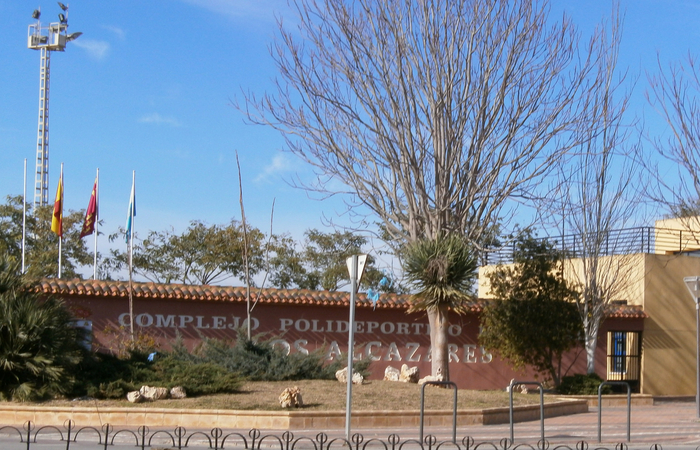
(437, 317)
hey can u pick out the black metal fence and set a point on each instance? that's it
(625, 241)
(107, 437)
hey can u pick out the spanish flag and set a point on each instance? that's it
(57, 219)
(90, 214)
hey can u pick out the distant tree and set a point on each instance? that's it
(41, 254)
(598, 192)
(39, 346)
(675, 95)
(533, 319)
(202, 254)
(319, 262)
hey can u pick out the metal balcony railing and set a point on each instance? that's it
(650, 240)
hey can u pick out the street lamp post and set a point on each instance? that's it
(356, 267)
(693, 285)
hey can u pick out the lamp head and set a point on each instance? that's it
(693, 285)
(62, 6)
(73, 36)
(36, 13)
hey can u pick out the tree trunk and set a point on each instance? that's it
(591, 344)
(437, 317)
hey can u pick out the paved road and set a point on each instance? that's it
(673, 425)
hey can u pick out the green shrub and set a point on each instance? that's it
(216, 366)
(107, 376)
(259, 360)
(197, 379)
(103, 375)
(39, 346)
(580, 384)
(113, 389)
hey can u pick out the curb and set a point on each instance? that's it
(275, 420)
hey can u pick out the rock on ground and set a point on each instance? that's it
(154, 393)
(342, 376)
(135, 397)
(291, 398)
(391, 374)
(409, 374)
(430, 378)
(178, 392)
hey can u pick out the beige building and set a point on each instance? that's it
(645, 268)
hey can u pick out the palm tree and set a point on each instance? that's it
(38, 343)
(443, 272)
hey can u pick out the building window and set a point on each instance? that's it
(619, 352)
(624, 355)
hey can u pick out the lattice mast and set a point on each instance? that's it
(46, 39)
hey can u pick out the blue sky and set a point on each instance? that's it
(148, 87)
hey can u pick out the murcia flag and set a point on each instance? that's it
(90, 214)
(57, 219)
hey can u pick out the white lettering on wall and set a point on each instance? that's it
(218, 322)
(285, 324)
(281, 343)
(413, 348)
(486, 357)
(374, 350)
(392, 353)
(369, 350)
(387, 327)
(299, 346)
(452, 353)
(165, 321)
(146, 320)
(469, 350)
(333, 351)
(454, 330)
(302, 325)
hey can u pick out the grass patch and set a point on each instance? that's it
(327, 395)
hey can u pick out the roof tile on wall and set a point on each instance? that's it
(89, 288)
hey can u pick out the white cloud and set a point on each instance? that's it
(280, 164)
(160, 120)
(96, 49)
(118, 32)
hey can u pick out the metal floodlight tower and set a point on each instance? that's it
(46, 39)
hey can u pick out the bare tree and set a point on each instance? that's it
(674, 93)
(431, 113)
(597, 193)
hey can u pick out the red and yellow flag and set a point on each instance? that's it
(90, 214)
(57, 219)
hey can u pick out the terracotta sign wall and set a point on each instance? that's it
(386, 336)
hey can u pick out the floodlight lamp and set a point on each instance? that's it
(62, 18)
(62, 6)
(74, 36)
(36, 14)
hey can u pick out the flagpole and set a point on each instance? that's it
(60, 236)
(24, 217)
(97, 214)
(132, 200)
